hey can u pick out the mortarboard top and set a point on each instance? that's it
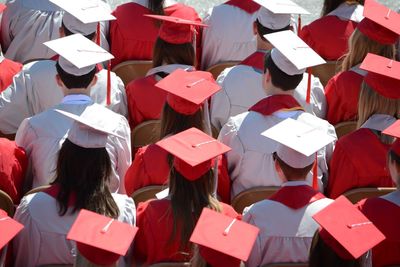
(78, 55)
(380, 23)
(216, 232)
(193, 151)
(394, 130)
(100, 239)
(383, 75)
(2, 7)
(88, 129)
(291, 54)
(9, 228)
(188, 90)
(176, 30)
(346, 230)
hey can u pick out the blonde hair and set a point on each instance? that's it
(360, 45)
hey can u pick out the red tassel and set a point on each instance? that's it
(299, 25)
(109, 83)
(98, 42)
(315, 173)
(308, 96)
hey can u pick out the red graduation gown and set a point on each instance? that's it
(359, 160)
(143, 172)
(152, 242)
(342, 93)
(329, 45)
(386, 216)
(8, 69)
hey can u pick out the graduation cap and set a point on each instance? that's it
(394, 130)
(100, 239)
(380, 23)
(193, 151)
(188, 90)
(176, 30)
(223, 240)
(383, 75)
(346, 230)
(9, 228)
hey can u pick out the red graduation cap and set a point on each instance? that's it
(2, 7)
(100, 239)
(223, 240)
(380, 23)
(188, 90)
(394, 130)
(346, 230)
(383, 75)
(176, 30)
(9, 228)
(193, 151)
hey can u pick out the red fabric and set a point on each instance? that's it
(152, 242)
(377, 32)
(359, 160)
(130, 42)
(274, 103)
(246, 5)
(55, 189)
(8, 69)
(330, 46)
(13, 164)
(385, 215)
(255, 60)
(342, 92)
(296, 197)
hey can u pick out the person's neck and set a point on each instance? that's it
(263, 45)
(277, 91)
(77, 91)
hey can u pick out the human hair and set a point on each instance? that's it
(67, 32)
(156, 7)
(84, 173)
(261, 30)
(279, 78)
(394, 158)
(360, 45)
(167, 53)
(291, 173)
(197, 260)
(72, 82)
(330, 5)
(188, 198)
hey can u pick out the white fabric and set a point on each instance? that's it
(35, 89)
(282, 242)
(284, 64)
(293, 158)
(242, 88)
(229, 36)
(348, 12)
(43, 240)
(379, 122)
(43, 134)
(250, 162)
(393, 197)
(273, 21)
(70, 68)
(74, 25)
(145, 3)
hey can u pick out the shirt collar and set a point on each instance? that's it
(76, 99)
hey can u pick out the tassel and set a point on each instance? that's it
(299, 25)
(109, 83)
(308, 96)
(98, 31)
(315, 173)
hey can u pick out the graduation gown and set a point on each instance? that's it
(242, 88)
(152, 242)
(341, 24)
(8, 69)
(294, 204)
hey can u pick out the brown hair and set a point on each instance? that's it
(157, 6)
(330, 5)
(290, 172)
(167, 53)
(360, 45)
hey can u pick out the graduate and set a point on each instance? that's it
(341, 18)
(174, 49)
(30, 94)
(167, 224)
(136, 43)
(250, 162)
(230, 35)
(9, 229)
(43, 134)
(286, 236)
(375, 34)
(359, 159)
(242, 84)
(83, 175)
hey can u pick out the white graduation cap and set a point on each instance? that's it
(78, 55)
(291, 54)
(88, 130)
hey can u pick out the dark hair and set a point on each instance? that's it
(84, 173)
(167, 53)
(68, 32)
(71, 81)
(279, 78)
(393, 156)
(330, 5)
(264, 30)
(290, 172)
(157, 6)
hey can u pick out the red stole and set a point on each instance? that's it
(296, 197)
(8, 69)
(274, 103)
(55, 189)
(255, 60)
(246, 5)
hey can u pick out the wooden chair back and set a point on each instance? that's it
(6, 203)
(146, 133)
(146, 193)
(286, 265)
(57, 265)
(171, 264)
(358, 194)
(218, 68)
(37, 189)
(344, 128)
(132, 69)
(251, 196)
(326, 71)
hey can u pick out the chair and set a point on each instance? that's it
(146, 193)
(57, 265)
(6, 203)
(171, 264)
(147, 132)
(326, 71)
(37, 189)
(251, 196)
(344, 128)
(132, 69)
(357, 194)
(218, 68)
(286, 265)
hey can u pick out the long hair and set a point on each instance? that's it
(360, 45)
(167, 53)
(393, 157)
(84, 173)
(330, 5)
(156, 7)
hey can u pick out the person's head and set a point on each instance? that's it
(330, 5)
(71, 25)
(165, 53)
(70, 82)
(156, 7)
(393, 162)
(289, 173)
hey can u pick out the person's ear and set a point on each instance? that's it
(280, 172)
(59, 81)
(255, 31)
(61, 32)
